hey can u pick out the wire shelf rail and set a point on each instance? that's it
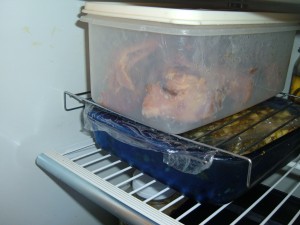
(104, 179)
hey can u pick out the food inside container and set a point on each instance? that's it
(251, 129)
(178, 69)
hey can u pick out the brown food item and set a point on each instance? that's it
(128, 58)
(141, 83)
(184, 97)
(241, 88)
(123, 94)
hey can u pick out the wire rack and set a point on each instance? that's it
(106, 180)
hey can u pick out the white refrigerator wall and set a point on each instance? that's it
(43, 53)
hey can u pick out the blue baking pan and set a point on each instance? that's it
(199, 171)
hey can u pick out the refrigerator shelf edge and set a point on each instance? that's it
(99, 189)
(103, 193)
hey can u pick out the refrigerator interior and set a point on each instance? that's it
(45, 54)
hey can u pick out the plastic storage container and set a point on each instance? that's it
(200, 171)
(178, 69)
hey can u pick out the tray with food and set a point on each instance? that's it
(215, 163)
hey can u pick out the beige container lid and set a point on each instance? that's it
(185, 16)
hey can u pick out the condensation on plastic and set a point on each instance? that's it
(190, 163)
(178, 154)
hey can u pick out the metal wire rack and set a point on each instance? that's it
(106, 180)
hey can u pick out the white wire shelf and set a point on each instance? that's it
(106, 180)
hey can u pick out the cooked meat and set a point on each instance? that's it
(184, 97)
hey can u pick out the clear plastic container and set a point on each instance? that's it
(175, 70)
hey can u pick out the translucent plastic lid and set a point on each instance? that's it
(185, 16)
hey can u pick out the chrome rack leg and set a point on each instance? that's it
(76, 97)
